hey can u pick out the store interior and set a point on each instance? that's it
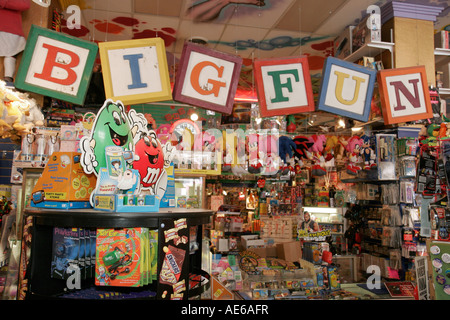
(225, 150)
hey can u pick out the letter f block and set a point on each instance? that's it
(283, 86)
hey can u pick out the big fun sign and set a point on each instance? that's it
(346, 89)
(207, 78)
(56, 65)
(404, 94)
(135, 71)
(283, 86)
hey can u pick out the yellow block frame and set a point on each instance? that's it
(163, 95)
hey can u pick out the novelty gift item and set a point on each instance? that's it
(354, 148)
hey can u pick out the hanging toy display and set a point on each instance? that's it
(316, 155)
(368, 153)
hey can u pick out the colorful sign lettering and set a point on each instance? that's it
(56, 65)
(284, 86)
(135, 71)
(404, 94)
(207, 78)
(346, 89)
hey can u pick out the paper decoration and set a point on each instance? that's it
(346, 89)
(404, 94)
(284, 86)
(56, 65)
(207, 78)
(135, 71)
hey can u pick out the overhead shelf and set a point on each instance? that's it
(370, 48)
(441, 55)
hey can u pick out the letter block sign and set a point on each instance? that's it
(346, 89)
(283, 86)
(135, 71)
(56, 65)
(207, 78)
(404, 94)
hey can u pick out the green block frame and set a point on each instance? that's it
(35, 33)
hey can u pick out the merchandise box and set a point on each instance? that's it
(63, 184)
(126, 203)
(289, 251)
(343, 43)
(265, 252)
(253, 240)
(362, 34)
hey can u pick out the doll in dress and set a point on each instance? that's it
(12, 36)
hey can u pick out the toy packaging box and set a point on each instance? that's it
(63, 184)
(124, 257)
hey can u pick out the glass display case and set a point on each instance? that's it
(190, 192)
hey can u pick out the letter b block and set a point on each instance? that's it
(56, 65)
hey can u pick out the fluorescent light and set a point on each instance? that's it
(320, 210)
(356, 129)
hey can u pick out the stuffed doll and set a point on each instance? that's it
(368, 153)
(316, 155)
(353, 148)
(254, 163)
(302, 145)
(286, 147)
(268, 153)
(11, 35)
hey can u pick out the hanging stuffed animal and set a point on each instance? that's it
(286, 147)
(316, 150)
(341, 147)
(368, 153)
(254, 164)
(268, 153)
(353, 148)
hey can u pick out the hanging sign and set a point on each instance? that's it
(404, 94)
(346, 89)
(135, 71)
(207, 78)
(283, 86)
(56, 65)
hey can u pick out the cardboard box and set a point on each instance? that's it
(361, 34)
(265, 252)
(343, 43)
(249, 241)
(289, 251)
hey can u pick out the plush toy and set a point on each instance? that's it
(318, 143)
(341, 147)
(316, 156)
(368, 153)
(302, 145)
(286, 147)
(353, 148)
(268, 153)
(254, 163)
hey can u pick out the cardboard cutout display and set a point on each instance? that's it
(129, 161)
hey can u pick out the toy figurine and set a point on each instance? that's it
(368, 153)
(11, 35)
(353, 148)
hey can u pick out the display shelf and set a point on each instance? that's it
(441, 55)
(369, 49)
(40, 283)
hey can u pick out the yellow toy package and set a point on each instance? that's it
(63, 184)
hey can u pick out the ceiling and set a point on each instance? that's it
(251, 29)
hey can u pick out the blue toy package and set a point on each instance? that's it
(65, 252)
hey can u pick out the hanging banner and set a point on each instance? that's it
(404, 94)
(135, 71)
(56, 65)
(283, 86)
(207, 78)
(346, 89)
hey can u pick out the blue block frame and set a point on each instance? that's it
(321, 106)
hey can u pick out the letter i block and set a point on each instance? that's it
(346, 89)
(135, 71)
(283, 86)
(404, 94)
(207, 78)
(56, 65)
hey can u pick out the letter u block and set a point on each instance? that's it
(207, 78)
(56, 65)
(346, 89)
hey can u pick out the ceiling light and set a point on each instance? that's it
(43, 3)
(194, 117)
(341, 123)
(356, 129)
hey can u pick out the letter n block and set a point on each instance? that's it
(135, 71)
(207, 78)
(346, 89)
(283, 86)
(56, 65)
(404, 94)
